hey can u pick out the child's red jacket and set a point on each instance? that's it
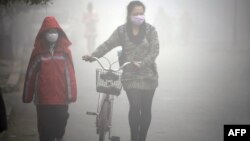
(50, 78)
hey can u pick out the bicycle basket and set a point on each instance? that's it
(108, 82)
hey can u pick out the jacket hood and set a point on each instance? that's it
(50, 23)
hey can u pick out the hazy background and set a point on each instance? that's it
(204, 69)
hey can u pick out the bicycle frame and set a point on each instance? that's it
(106, 99)
(105, 109)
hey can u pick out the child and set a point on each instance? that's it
(50, 79)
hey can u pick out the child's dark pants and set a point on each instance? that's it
(51, 121)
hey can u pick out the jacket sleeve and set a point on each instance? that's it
(112, 42)
(30, 79)
(149, 59)
(70, 78)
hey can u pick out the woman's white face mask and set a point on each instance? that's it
(137, 20)
(52, 37)
(137, 15)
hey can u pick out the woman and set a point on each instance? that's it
(50, 79)
(140, 45)
(90, 20)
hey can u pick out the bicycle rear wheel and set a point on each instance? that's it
(104, 118)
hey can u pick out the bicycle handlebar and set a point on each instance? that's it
(111, 64)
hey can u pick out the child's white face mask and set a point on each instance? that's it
(52, 36)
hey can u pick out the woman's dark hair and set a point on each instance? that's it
(90, 6)
(142, 32)
(131, 6)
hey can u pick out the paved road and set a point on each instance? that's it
(199, 92)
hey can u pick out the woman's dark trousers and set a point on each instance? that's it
(139, 112)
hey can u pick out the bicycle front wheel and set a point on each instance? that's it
(104, 120)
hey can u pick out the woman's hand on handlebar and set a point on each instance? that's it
(88, 58)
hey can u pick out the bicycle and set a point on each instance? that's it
(108, 83)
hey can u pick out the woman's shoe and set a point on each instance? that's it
(61, 139)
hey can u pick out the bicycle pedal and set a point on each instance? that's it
(91, 113)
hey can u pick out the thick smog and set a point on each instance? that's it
(124, 70)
